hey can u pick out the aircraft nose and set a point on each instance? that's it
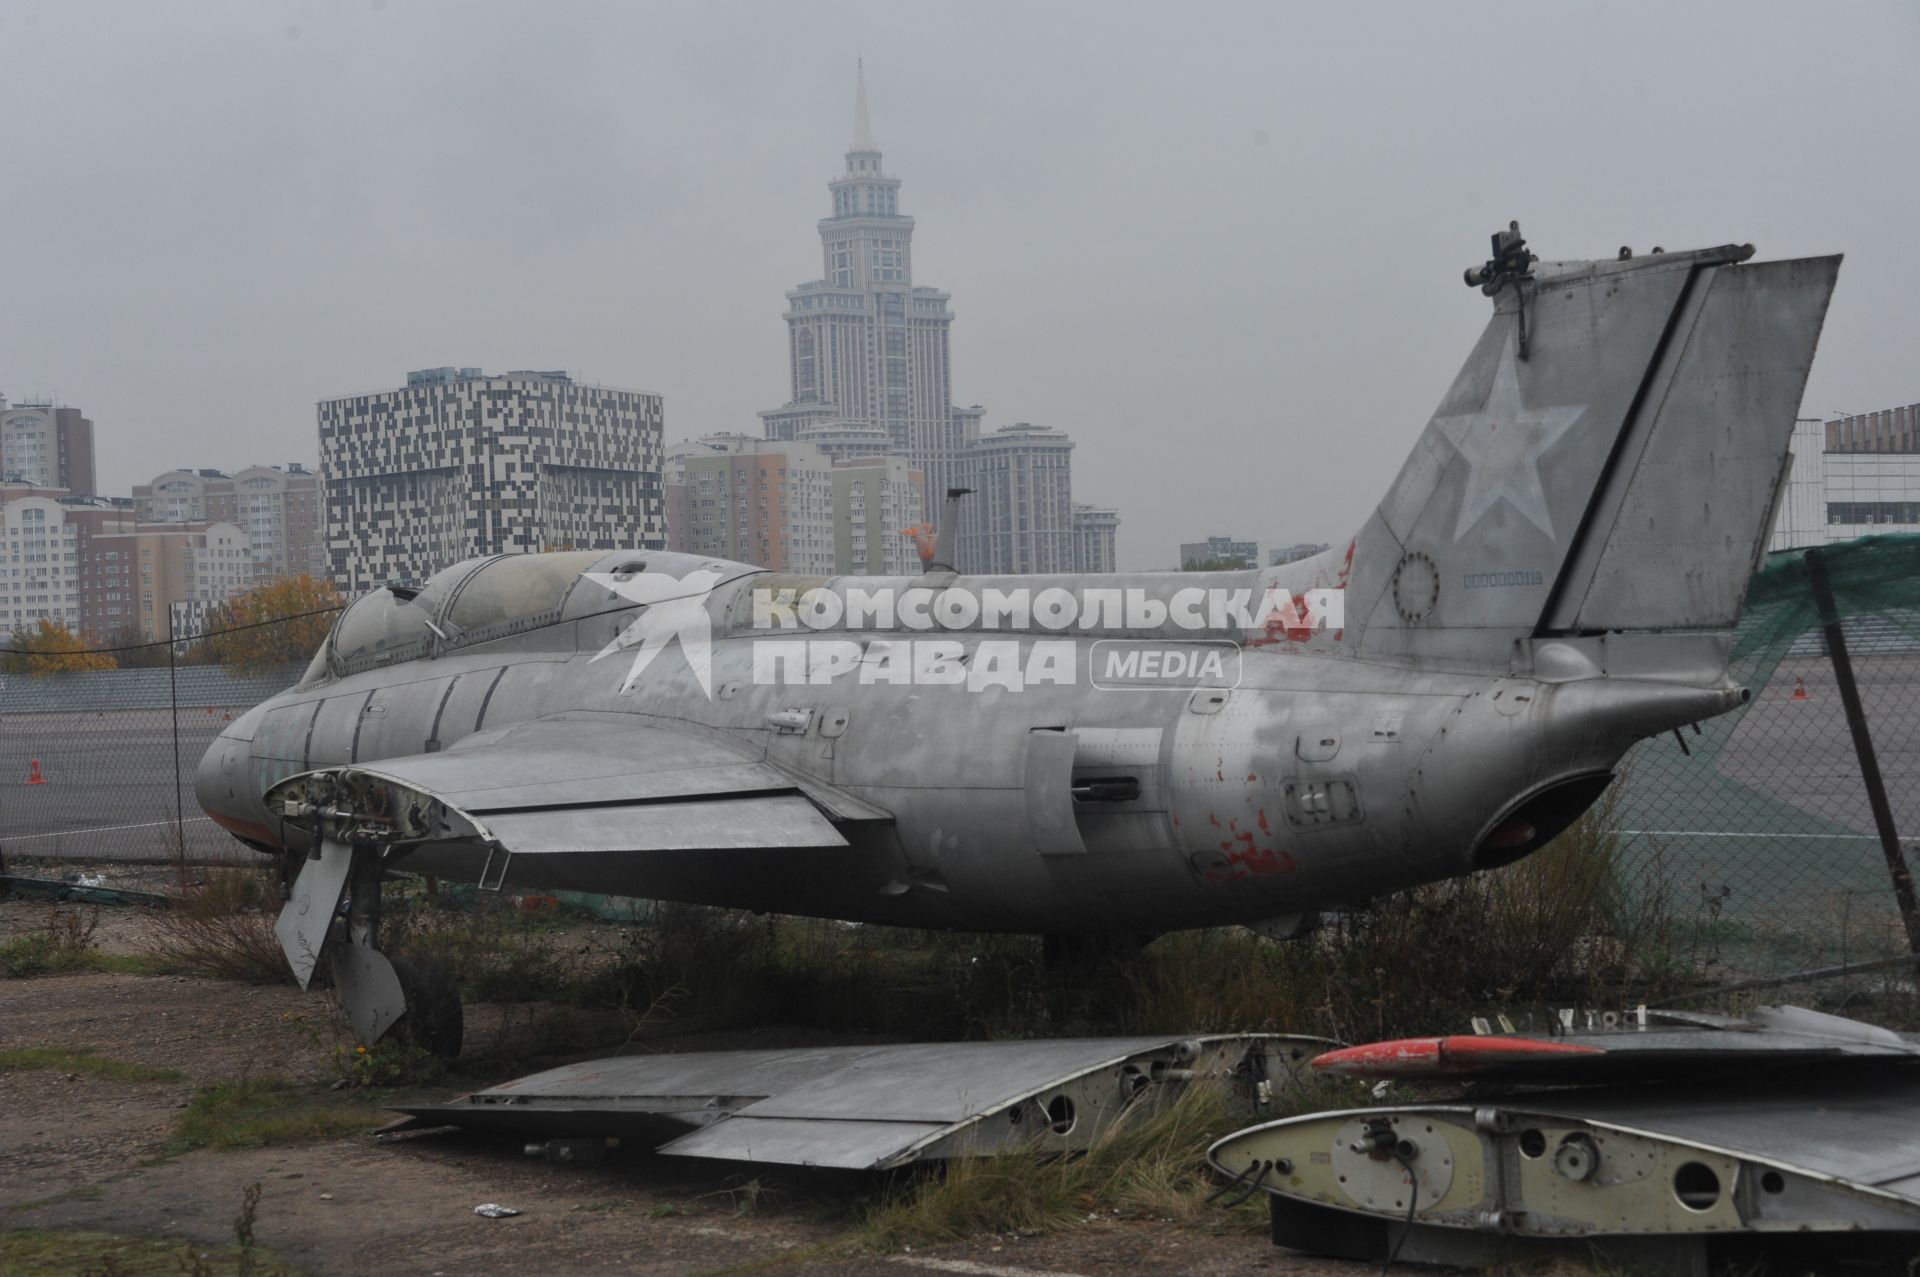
(216, 779)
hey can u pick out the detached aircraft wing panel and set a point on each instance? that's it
(877, 1107)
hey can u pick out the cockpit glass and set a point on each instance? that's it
(379, 629)
(384, 626)
(514, 586)
(400, 624)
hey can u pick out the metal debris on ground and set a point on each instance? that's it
(86, 889)
(494, 1210)
(874, 1107)
(1784, 1122)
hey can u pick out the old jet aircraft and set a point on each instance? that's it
(1553, 575)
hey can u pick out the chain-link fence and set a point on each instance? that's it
(98, 745)
(1755, 834)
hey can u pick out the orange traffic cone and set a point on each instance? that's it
(227, 717)
(1799, 690)
(33, 773)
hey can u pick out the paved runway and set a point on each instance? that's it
(109, 789)
(1769, 816)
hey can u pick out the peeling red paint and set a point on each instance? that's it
(1251, 778)
(1260, 818)
(1248, 861)
(1293, 626)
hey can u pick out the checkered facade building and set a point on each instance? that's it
(457, 464)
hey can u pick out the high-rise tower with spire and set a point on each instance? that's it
(865, 345)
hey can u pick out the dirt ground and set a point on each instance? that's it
(83, 1153)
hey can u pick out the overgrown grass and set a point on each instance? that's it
(263, 1111)
(49, 1253)
(83, 1061)
(221, 925)
(64, 943)
(1555, 928)
(1145, 1165)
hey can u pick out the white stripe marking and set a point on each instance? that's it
(1713, 833)
(107, 829)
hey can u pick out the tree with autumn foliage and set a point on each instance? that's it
(51, 648)
(241, 633)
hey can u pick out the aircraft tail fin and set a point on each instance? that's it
(1609, 458)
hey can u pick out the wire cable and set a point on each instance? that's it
(1237, 1180)
(1413, 1203)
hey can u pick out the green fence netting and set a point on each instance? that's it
(1758, 834)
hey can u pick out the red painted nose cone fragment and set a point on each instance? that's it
(1424, 1057)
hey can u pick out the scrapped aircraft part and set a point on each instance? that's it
(369, 990)
(1380, 1161)
(307, 916)
(878, 1107)
(1798, 1151)
(1671, 1044)
(1444, 1057)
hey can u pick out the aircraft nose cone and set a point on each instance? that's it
(215, 779)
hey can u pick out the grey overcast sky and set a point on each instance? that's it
(1218, 243)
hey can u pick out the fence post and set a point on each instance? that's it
(1863, 747)
(173, 699)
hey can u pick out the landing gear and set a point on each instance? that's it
(433, 1020)
(378, 992)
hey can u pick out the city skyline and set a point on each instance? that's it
(1165, 239)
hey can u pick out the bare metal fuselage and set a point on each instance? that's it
(1317, 780)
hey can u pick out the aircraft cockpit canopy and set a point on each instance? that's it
(471, 602)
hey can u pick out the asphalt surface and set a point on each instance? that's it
(108, 788)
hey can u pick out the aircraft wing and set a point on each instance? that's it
(1674, 1045)
(578, 784)
(876, 1107)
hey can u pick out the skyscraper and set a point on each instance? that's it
(1095, 531)
(46, 446)
(458, 463)
(866, 346)
(1020, 516)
